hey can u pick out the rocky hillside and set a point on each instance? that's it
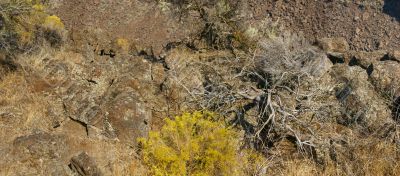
(310, 87)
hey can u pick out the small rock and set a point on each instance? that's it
(358, 31)
(386, 77)
(365, 59)
(336, 57)
(84, 165)
(395, 55)
(334, 44)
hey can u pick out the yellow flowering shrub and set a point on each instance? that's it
(24, 23)
(122, 44)
(193, 144)
(53, 22)
(38, 7)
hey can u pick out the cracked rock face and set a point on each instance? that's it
(106, 96)
(84, 103)
(123, 115)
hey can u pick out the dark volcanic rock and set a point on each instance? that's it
(84, 165)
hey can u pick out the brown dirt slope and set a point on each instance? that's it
(362, 23)
(145, 24)
(366, 24)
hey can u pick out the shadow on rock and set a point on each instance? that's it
(392, 8)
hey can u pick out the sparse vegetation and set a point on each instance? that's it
(143, 93)
(25, 23)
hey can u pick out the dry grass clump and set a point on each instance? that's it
(375, 157)
(28, 89)
(364, 157)
(20, 107)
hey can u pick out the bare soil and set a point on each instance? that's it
(362, 23)
(366, 25)
(144, 24)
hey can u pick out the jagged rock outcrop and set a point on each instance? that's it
(385, 77)
(361, 104)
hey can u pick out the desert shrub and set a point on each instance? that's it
(195, 144)
(24, 23)
(122, 44)
(52, 30)
(289, 55)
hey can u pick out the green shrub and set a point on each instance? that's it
(194, 144)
